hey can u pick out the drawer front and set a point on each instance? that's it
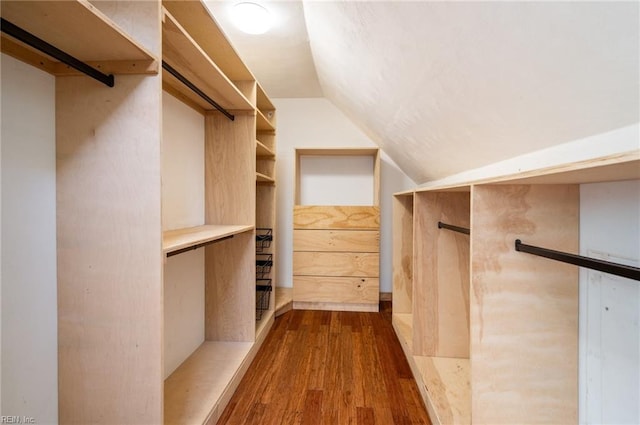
(360, 290)
(336, 264)
(336, 240)
(336, 217)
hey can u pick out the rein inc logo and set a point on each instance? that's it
(17, 420)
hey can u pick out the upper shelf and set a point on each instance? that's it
(88, 35)
(197, 20)
(625, 166)
(175, 240)
(263, 123)
(263, 151)
(181, 52)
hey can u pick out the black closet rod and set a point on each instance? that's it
(196, 90)
(578, 260)
(200, 245)
(458, 229)
(38, 43)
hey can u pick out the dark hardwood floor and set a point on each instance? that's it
(333, 368)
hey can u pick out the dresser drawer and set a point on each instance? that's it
(354, 264)
(322, 289)
(336, 240)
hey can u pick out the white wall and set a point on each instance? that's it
(610, 305)
(182, 206)
(29, 305)
(336, 180)
(316, 123)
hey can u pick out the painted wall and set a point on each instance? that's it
(610, 305)
(336, 180)
(29, 305)
(182, 206)
(316, 123)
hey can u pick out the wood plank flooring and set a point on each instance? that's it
(333, 368)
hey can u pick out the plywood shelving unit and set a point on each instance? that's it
(490, 333)
(111, 246)
(199, 389)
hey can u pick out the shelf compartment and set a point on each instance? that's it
(263, 151)
(195, 392)
(262, 178)
(446, 381)
(182, 53)
(191, 237)
(196, 20)
(265, 109)
(262, 122)
(89, 36)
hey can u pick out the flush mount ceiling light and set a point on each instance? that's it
(251, 18)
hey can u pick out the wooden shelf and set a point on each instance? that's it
(174, 240)
(264, 104)
(448, 390)
(261, 178)
(185, 55)
(262, 122)
(79, 29)
(263, 151)
(193, 392)
(196, 19)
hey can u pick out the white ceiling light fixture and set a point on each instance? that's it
(251, 18)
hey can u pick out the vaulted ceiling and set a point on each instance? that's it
(445, 87)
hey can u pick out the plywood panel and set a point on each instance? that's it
(182, 53)
(335, 264)
(174, 240)
(109, 249)
(402, 254)
(88, 34)
(194, 391)
(441, 279)
(230, 169)
(524, 309)
(230, 289)
(446, 381)
(336, 240)
(336, 289)
(336, 217)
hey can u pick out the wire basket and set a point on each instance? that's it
(264, 262)
(264, 237)
(263, 291)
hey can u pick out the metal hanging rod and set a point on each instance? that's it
(578, 260)
(41, 45)
(196, 90)
(458, 229)
(200, 245)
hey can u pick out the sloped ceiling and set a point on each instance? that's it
(445, 87)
